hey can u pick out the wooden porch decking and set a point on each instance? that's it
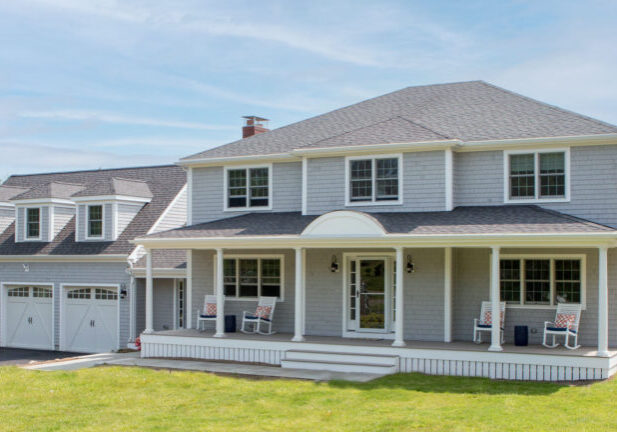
(411, 344)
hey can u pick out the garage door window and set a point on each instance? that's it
(105, 294)
(41, 292)
(19, 292)
(82, 293)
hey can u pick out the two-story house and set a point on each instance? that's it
(381, 228)
(69, 276)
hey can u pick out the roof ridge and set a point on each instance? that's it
(94, 170)
(548, 105)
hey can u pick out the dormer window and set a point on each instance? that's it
(33, 223)
(248, 188)
(95, 221)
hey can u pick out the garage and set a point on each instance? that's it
(28, 317)
(89, 319)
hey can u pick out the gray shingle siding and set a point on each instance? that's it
(209, 196)
(7, 216)
(423, 184)
(479, 180)
(71, 272)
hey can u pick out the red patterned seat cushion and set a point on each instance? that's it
(263, 312)
(487, 319)
(210, 309)
(564, 320)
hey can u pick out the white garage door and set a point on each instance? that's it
(90, 319)
(29, 322)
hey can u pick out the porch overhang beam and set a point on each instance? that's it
(574, 240)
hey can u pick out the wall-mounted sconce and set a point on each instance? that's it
(26, 267)
(123, 291)
(334, 265)
(410, 265)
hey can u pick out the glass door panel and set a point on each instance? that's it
(372, 294)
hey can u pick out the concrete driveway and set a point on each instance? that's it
(17, 356)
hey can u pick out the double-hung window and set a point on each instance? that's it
(33, 223)
(248, 187)
(535, 176)
(95, 221)
(373, 180)
(542, 281)
(248, 277)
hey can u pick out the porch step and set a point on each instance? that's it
(340, 362)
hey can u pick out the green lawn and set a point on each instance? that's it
(120, 398)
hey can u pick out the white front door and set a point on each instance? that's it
(29, 317)
(369, 294)
(90, 318)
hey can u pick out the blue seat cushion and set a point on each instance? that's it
(253, 317)
(485, 326)
(207, 316)
(559, 329)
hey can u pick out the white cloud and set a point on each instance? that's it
(97, 116)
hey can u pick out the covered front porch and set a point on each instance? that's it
(419, 310)
(459, 358)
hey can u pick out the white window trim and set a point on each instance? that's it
(537, 198)
(40, 236)
(87, 235)
(373, 202)
(258, 257)
(247, 207)
(552, 257)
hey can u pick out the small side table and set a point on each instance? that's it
(521, 335)
(230, 323)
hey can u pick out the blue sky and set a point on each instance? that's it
(91, 84)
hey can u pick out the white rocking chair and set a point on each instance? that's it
(209, 311)
(484, 323)
(566, 324)
(262, 315)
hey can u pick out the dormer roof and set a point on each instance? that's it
(8, 192)
(50, 190)
(117, 187)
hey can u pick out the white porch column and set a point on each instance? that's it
(189, 290)
(495, 312)
(220, 295)
(400, 301)
(447, 295)
(149, 294)
(299, 297)
(603, 301)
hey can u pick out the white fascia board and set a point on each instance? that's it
(64, 258)
(577, 140)
(7, 205)
(111, 198)
(581, 239)
(404, 147)
(231, 160)
(43, 201)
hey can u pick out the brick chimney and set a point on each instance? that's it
(254, 125)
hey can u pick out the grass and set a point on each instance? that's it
(122, 398)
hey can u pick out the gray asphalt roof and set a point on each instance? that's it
(53, 189)
(8, 192)
(462, 220)
(165, 258)
(164, 181)
(117, 186)
(469, 111)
